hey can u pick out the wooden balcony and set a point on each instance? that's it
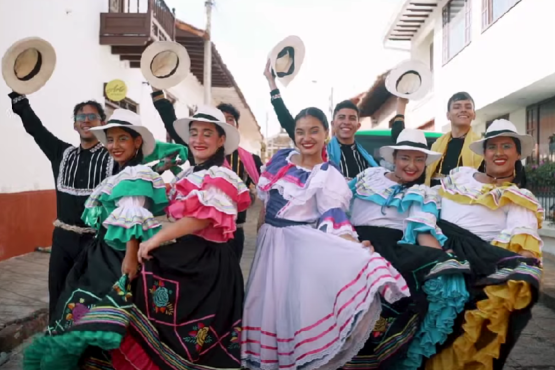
(136, 23)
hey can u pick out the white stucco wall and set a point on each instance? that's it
(83, 66)
(511, 54)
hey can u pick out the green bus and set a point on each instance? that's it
(373, 140)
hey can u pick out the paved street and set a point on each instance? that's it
(534, 351)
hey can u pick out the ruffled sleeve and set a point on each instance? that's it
(423, 213)
(125, 204)
(216, 194)
(333, 201)
(521, 232)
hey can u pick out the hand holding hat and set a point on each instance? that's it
(410, 80)
(286, 59)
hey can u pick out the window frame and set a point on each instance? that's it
(446, 58)
(487, 13)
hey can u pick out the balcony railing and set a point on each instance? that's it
(135, 22)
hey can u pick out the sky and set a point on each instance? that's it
(343, 41)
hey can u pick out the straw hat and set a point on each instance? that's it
(502, 127)
(165, 64)
(410, 139)
(130, 120)
(286, 59)
(410, 80)
(210, 114)
(28, 64)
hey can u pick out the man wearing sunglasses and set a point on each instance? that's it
(77, 171)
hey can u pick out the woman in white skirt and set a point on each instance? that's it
(314, 291)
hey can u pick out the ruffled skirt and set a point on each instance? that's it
(182, 312)
(503, 287)
(312, 299)
(408, 330)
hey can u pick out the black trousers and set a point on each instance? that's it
(238, 242)
(66, 247)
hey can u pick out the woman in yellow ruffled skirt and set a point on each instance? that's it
(492, 221)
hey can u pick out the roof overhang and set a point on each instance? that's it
(375, 97)
(409, 19)
(224, 87)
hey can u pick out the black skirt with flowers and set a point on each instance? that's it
(188, 303)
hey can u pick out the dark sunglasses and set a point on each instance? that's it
(83, 117)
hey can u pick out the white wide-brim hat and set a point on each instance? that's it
(127, 119)
(410, 80)
(213, 115)
(286, 59)
(502, 127)
(410, 139)
(28, 64)
(165, 64)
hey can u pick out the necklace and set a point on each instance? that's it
(499, 178)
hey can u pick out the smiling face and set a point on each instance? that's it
(461, 113)
(409, 164)
(345, 125)
(86, 118)
(310, 135)
(121, 145)
(500, 155)
(204, 140)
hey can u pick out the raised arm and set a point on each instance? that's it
(50, 145)
(399, 120)
(285, 118)
(167, 113)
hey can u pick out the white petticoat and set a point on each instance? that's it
(312, 299)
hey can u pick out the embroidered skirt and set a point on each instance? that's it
(188, 307)
(86, 313)
(312, 299)
(503, 287)
(409, 329)
(183, 311)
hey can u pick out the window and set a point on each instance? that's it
(492, 10)
(456, 27)
(540, 123)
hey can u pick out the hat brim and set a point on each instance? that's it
(149, 142)
(386, 152)
(420, 68)
(232, 136)
(527, 143)
(180, 73)
(297, 44)
(34, 84)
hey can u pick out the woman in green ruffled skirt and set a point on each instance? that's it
(122, 208)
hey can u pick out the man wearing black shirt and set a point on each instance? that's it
(455, 144)
(167, 113)
(343, 150)
(77, 171)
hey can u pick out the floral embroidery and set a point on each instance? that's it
(381, 326)
(199, 336)
(76, 311)
(161, 298)
(235, 338)
(123, 288)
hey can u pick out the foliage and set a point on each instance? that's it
(541, 174)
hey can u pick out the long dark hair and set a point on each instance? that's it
(217, 158)
(520, 173)
(316, 113)
(138, 158)
(419, 181)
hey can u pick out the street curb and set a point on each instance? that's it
(16, 332)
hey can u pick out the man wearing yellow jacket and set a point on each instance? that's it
(455, 144)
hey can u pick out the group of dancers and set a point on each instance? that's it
(432, 265)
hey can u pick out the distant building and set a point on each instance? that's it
(277, 142)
